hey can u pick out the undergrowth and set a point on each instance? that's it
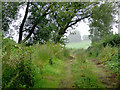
(27, 67)
(84, 74)
(106, 51)
(41, 66)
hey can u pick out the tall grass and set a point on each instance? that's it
(83, 71)
(23, 67)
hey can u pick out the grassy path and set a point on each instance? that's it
(73, 73)
(94, 75)
(87, 75)
(68, 80)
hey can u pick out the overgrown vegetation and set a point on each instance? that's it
(17, 65)
(23, 66)
(43, 65)
(106, 51)
(85, 72)
(41, 60)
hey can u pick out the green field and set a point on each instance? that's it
(79, 45)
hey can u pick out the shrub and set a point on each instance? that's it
(17, 66)
(107, 53)
(109, 40)
(113, 64)
(112, 40)
(109, 56)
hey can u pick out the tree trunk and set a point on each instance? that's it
(22, 24)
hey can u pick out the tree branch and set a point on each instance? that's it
(62, 31)
(79, 20)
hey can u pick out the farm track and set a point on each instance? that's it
(106, 77)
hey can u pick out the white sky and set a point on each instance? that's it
(82, 27)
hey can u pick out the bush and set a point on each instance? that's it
(109, 57)
(109, 40)
(107, 53)
(16, 65)
(113, 64)
(94, 50)
(112, 40)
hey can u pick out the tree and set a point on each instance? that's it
(119, 17)
(101, 22)
(70, 15)
(9, 13)
(62, 16)
(48, 21)
(29, 22)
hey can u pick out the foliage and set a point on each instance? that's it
(17, 66)
(43, 53)
(113, 64)
(94, 50)
(84, 72)
(23, 66)
(112, 40)
(106, 51)
(108, 40)
(109, 56)
(46, 21)
(9, 13)
(101, 22)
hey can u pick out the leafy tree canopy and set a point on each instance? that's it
(101, 21)
(49, 21)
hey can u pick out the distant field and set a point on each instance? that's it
(79, 45)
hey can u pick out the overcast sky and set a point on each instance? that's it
(82, 27)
